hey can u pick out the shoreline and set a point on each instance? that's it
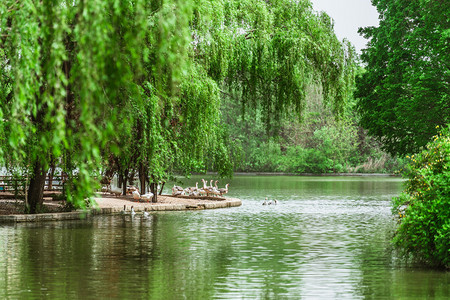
(113, 206)
(308, 174)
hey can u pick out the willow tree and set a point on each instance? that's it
(269, 52)
(70, 75)
(141, 81)
(176, 113)
(85, 78)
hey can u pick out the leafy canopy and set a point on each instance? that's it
(139, 82)
(424, 206)
(405, 91)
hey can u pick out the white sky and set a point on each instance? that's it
(348, 16)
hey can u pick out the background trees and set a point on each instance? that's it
(405, 92)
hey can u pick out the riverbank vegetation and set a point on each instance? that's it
(404, 101)
(424, 207)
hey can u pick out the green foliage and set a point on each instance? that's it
(405, 91)
(317, 144)
(424, 206)
(267, 53)
(138, 84)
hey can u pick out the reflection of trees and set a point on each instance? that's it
(386, 276)
(118, 257)
(50, 261)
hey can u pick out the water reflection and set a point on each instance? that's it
(328, 238)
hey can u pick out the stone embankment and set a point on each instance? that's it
(110, 206)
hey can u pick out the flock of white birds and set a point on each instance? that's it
(206, 190)
(130, 190)
(195, 191)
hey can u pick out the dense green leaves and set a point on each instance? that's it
(424, 207)
(135, 86)
(271, 51)
(405, 92)
(404, 98)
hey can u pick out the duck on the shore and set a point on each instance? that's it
(215, 189)
(192, 190)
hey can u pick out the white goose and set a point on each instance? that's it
(132, 211)
(224, 190)
(116, 191)
(147, 196)
(136, 195)
(204, 190)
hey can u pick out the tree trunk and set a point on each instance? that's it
(142, 178)
(154, 190)
(125, 178)
(162, 187)
(36, 189)
(120, 181)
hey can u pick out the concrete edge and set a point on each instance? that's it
(80, 215)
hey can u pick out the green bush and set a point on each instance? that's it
(423, 209)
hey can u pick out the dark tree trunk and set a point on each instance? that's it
(142, 177)
(120, 181)
(36, 189)
(124, 187)
(154, 190)
(162, 187)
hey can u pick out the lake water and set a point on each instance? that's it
(328, 238)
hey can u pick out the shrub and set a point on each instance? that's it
(423, 207)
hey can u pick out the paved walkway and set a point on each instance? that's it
(164, 203)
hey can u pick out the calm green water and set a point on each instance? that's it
(327, 239)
